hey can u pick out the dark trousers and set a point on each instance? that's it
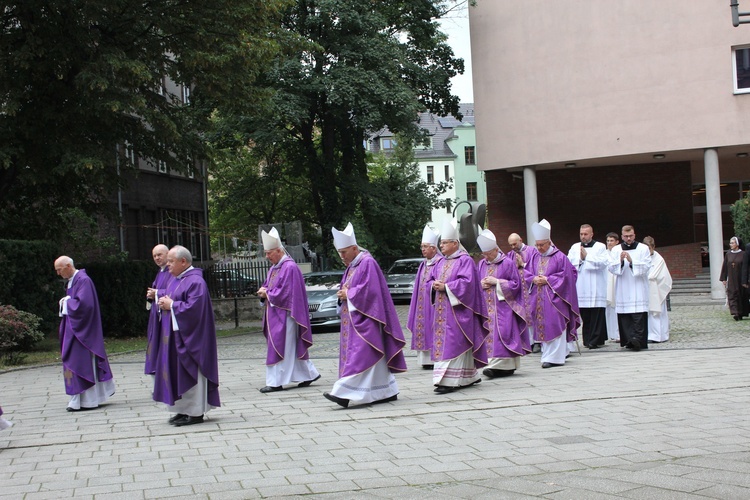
(633, 326)
(594, 326)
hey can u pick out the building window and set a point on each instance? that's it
(741, 68)
(185, 94)
(448, 206)
(430, 174)
(190, 168)
(471, 191)
(388, 144)
(469, 157)
(447, 173)
(130, 153)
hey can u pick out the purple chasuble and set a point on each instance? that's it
(165, 385)
(554, 306)
(285, 287)
(193, 345)
(372, 331)
(154, 323)
(457, 329)
(507, 318)
(81, 337)
(420, 309)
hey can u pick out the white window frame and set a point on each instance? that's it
(737, 90)
(186, 94)
(130, 153)
(387, 140)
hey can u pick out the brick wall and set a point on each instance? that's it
(655, 199)
(683, 261)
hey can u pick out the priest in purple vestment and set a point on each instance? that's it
(88, 377)
(4, 424)
(372, 342)
(158, 288)
(187, 374)
(419, 321)
(286, 320)
(503, 292)
(460, 316)
(526, 252)
(551, 279)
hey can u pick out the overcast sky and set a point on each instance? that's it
(457, 28)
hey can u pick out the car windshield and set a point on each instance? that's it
(404, 268)
(323, 279)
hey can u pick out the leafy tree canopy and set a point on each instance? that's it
(80, 77)
(364, 66)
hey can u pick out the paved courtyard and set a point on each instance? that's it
(670, 422)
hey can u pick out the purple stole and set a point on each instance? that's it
(286, 291)
(459, 328)
(81, 337)
(507, 318)
(554, 306)
(372, 331)
(154, 323)
(420, 309)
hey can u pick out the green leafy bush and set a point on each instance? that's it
(741, 216)
(19, 332)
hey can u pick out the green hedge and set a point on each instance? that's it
(121, 287)
(29, 283)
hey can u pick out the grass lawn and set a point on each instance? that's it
(48, 350)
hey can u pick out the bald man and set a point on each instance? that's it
(526, 252)
(86, 371)
(158, 289)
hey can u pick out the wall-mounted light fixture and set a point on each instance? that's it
(570, 165)
(659, 156)
(741, 155)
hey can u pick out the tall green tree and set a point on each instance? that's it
(80, 78)
(365, 66)
(398, 202)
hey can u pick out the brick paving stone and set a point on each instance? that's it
(676, 429)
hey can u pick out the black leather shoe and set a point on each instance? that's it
(306, 383)
(473, 383)
(635, 344)
(494, 373)
(444, 389)
(269, 388)
(339, 401)
(550, 365)
(593, 346)
(188, 420)
(176, 417)
(386, 400)
(428, 367)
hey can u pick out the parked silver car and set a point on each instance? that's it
(400, 278)
(321, 298)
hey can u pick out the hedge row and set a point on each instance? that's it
(30, 283)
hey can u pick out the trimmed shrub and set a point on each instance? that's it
(19, 332)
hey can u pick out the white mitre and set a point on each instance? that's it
(429, 236)
(541, 230)
(449, 230)
(345, 238)
(487, 241)
(271, 239)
